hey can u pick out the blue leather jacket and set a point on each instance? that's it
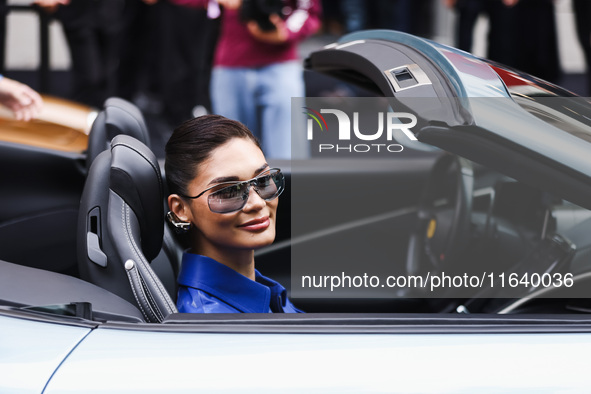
(206, 286)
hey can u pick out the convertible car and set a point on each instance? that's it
(448, 251)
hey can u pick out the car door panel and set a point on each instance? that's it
(371, 201)
(38, 212)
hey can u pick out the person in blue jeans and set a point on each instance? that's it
(223, 197)
(261, 98)
(256, 68)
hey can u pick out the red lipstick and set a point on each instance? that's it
(256, 224)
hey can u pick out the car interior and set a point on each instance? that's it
(121, 118)
(89, 228)
(127, 257)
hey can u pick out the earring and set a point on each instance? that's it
(180, 227)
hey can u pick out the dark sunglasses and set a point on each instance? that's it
(232, 196)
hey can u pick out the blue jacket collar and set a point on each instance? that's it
(206, 274)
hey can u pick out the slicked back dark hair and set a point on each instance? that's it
(192, 142)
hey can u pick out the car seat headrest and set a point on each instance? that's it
(135, 177)
(117, 117)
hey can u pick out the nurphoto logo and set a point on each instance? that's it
(351, 131)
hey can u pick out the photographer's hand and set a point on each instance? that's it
(230, 4)
(277, 36)
(50, 6)
(23, 101)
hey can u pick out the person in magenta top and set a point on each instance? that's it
(257, 72)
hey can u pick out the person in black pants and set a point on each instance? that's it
(536, 39)
(522, 33)
(166, 58)
(92, 29)
(187, 41)
(468, 12)
(582, 9)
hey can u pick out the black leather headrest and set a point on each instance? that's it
(135, 177)
(117, 117)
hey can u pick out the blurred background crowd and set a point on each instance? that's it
(159, 53)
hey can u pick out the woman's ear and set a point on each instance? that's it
(180, 208)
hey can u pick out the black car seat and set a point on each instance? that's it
(118, 116)
(121, 227)
(51, 184)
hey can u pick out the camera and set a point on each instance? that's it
(260, 11)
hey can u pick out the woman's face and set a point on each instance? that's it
(249, 228)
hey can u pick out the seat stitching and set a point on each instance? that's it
(136, 297)
(149, 296)
(148, 270)
(133, 246)
(127, 236)
(129, 274)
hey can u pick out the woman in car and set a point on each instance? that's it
(224, 197)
